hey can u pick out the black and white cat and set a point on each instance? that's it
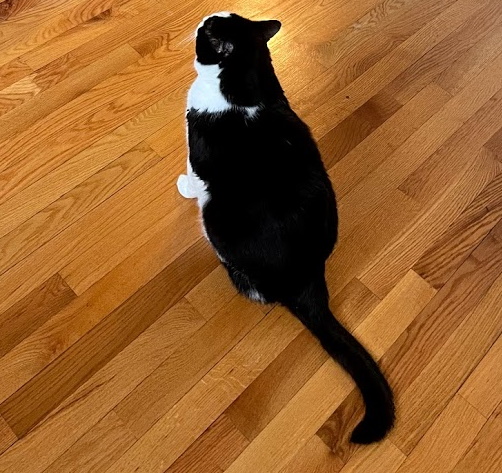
(267, 204)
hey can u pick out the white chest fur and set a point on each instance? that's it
(205, 94)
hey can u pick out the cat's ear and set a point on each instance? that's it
(269, 28)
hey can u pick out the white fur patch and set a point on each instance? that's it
(205, 93)
(254, 295)
(222, 14)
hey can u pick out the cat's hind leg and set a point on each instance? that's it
(244, 285)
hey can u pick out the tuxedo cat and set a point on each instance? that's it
(267, 204)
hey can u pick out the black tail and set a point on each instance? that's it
(312, 308)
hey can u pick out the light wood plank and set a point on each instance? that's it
(182, 424)
(109, 437)
(186, 366)
(92, 402)
(447, 440)
(483, 388)
(431, 390)
(485, 454)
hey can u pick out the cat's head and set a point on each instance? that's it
(223, 38)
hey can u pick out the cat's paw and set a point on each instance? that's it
(185, 188)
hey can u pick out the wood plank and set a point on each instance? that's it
(419, 147)
(354, 50)
(56, 71)
(353, 303)
(18, 93)
(375, 149)
(149, 189)
(213, 451)
(97, 449)
(494, 144)
(7, 437)
(29, 13)
(449, 308)
(435, 61)
(355, 251)
(30, 37)
(338, 107)
(307, 411)
(425, 183)
(398, 310)
(188, 419)
(483, 388)
(60, 90)
(429, 393)
(355, 128)
(64, 329)
(380, 458)
(77, 364)
(84, 270)
(465, 68)
(315, 456)
(187, 365)
(405, 250)
(100, 110)
(104, 18)
(93, 401)
(275, 387)
(293, 426)
(52, 186)
(34, 310)
(13, 72)
(443, 258)
(75, 204)
(213, 293)
(485, 454)
(447, 440)
(424, 337)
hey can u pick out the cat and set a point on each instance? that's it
(267, 204)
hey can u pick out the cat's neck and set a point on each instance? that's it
(257, 86)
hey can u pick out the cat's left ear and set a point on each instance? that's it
(269, 28)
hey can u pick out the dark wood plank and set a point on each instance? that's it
(97, 347)
(24, 317)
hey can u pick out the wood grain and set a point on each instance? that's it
(32, 311)
(123, 325)
(125, 347)
(109, 435)
(483, 387)
(63, 212)
(441, 260)
(7, 437)
(447, 440)
(186, 366)
(213, 451)
(484, 454)
(430, 391)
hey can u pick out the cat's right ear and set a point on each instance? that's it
(269, 28)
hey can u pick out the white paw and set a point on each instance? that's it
(185, 188)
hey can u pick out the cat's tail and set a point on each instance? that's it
(312, 308)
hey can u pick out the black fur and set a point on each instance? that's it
(271, 215)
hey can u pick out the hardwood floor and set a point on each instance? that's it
(123, 346)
